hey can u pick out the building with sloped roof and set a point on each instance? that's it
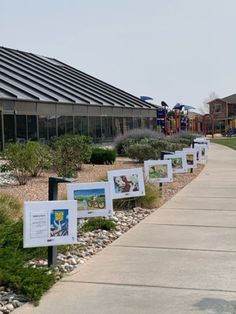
(41, 97)
(223, 111)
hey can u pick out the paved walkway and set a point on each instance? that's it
(179, 260)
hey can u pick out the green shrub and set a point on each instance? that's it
(147, 148)
(70, 152)
(134, 136)
(25, 160)
(13, 258)
(183, 138)
(17, 156)
(96, 223)
(173, 146)
(31, 282)
(149, 200)
(10, 208)
(102, 156)
(40, 158)
(141, 152)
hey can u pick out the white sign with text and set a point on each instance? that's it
(49, 223)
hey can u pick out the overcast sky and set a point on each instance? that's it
(171, 50)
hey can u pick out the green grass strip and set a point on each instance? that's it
(229, 142)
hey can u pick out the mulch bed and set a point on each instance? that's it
(37, 188)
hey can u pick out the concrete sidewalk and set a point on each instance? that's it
(179, 260)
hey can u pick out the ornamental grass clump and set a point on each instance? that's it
(10, 208)
(150, 200)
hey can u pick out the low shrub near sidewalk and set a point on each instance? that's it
(101, 156)
(98, 223)
(15, 274)
(14, 270)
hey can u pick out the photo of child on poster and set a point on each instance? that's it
(126, 183)
(90, 199)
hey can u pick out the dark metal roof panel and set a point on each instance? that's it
(47, 79)
(82, 86)
(19, 94)
(51, 83)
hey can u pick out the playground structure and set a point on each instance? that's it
(176, 120)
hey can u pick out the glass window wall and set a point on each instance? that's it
(43, 130)
(32, 128)
(146, 122)
(1, 144)
(61, 125)
(95, 128)
(137, 123)
(21, 128)
(81, 125)
(51, 124)
(107, 128)
(69, 125)
(119, 126)
(128, 124)
(9, 128)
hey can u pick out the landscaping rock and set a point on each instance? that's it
(89, 243)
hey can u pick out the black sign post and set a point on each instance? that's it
(53, 196)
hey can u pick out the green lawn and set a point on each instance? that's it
(230, 142)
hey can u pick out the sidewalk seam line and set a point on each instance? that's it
(181, 225)
(171, 248)
(146, 286)
(206, 209)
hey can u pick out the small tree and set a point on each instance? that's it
(70, 152)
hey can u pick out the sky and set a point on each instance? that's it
(171, 50)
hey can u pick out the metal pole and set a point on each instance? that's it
(53, 196)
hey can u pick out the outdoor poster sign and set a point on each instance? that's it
(191, 157)
(202, 140)
(50, 223)
(198, 153)
(158, 171)
(93, 198)
(203, 151)
(126, 183)
(179, 163)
